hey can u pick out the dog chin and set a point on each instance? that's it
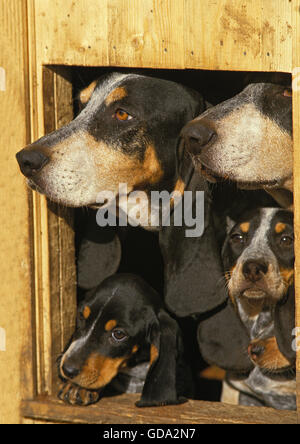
(259, 184)
(254, 293)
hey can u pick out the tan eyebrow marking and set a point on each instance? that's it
(86, 312)
(110, 325)
(117, 94)
(245, 227)
(153, 354)
(86, 93)
(280, 227)
(288, 93)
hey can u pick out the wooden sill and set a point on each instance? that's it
(121, 410)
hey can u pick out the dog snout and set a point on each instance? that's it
(31, 161)
(196, 136)
(254, 270)
(70, 371)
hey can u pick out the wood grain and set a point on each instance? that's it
(208, 34)
(121, 410)
(72, 32)
(239, 35)
(58, 111)
(17, 361)
(296, 135)
(146, 33)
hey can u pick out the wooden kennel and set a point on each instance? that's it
(39, 40)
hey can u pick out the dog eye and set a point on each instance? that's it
(122, 115)
(286, 241)
(237, 238)
(119, 335)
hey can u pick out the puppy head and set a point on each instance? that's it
(258, 256)
(247, 139)
(126, 133)
(112, 327)
(265, 354)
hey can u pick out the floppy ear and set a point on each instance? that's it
(230, 223)
(284, 323)
(194, 277)
(160, 387)
(99, 254)
(223, 340)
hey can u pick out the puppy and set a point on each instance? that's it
(247, 139)
(258, 256)
(250, 336)
(122, 330)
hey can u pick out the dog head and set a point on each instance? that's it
(247, 139)
(127, 133)
(258, 256)
(265, 354)
(120, 320)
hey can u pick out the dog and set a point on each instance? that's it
(129, 132)
(123, 330)
(248, 140)
(252, 336)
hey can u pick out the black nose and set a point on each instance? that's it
(31, 161)
(256, 351)
(70, 371)
(254, 270)
(196, 136)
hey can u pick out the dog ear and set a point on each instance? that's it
(194, 277)
(284, 323)
(99, 254)
(160, 387)
(223, 340)
(230, 223)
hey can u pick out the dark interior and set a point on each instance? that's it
(140, 250)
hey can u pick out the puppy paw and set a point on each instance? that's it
(75, 395)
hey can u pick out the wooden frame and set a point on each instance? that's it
(37, 255)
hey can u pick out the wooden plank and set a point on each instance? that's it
(296, 120)
(71, 33)
(211, 34)
(58, 110)
(146, 33)
(40, 220)
(276, 35)
(238, 35)
(121, 410)
(17, 354)
(54, 256)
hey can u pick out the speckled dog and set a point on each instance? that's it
(251, 335)
(247, 139)
(259, 258)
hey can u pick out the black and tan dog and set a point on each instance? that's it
(258, 258)
(126, 133)
(247, 139)
(121, 326)
(129, 132)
